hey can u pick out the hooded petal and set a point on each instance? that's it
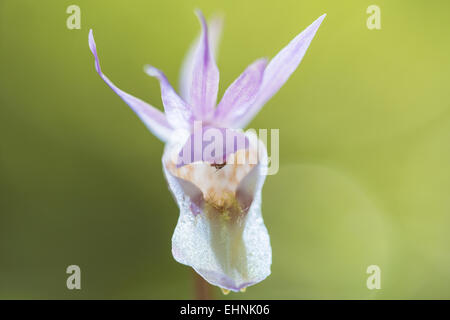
(240, 94)
(178, 112)
(154, 119)
(214, 33)
(212, 145)
(279, 70)
(226, 242)
(205, 77)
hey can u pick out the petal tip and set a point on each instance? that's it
(93, 48)
(201, 18)
(154, 72)
(198, 12)
(217, 20)
(91, 41)
(151, 70)
(321, 18)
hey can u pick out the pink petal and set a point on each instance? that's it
(279, 70)
(205, 77)
(240, 94)
(187, 69)
(154, 119)
(178, 112)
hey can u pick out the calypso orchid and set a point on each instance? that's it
(220, 231)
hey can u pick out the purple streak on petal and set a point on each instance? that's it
(226, 142)
(205, 77)
(240, 93)
(247, 188)
(195, 195)
(154, 119)
(214, 32)
(188, 189)
(279, 70)
(178, 112)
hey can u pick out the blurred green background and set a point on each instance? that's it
(364, 132)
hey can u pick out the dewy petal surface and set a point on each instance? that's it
(187, 68)
(205, 77)
(154, 119)
(279, 70)
(225, 240)
(178, 112)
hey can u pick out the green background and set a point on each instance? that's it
(364, 148)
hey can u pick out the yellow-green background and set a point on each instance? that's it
(364, 148)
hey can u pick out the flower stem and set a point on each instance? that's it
(203, 290)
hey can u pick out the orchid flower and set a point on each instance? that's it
(220, 231)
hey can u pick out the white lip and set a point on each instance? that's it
(228, 250)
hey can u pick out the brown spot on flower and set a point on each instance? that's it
(218, 186)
